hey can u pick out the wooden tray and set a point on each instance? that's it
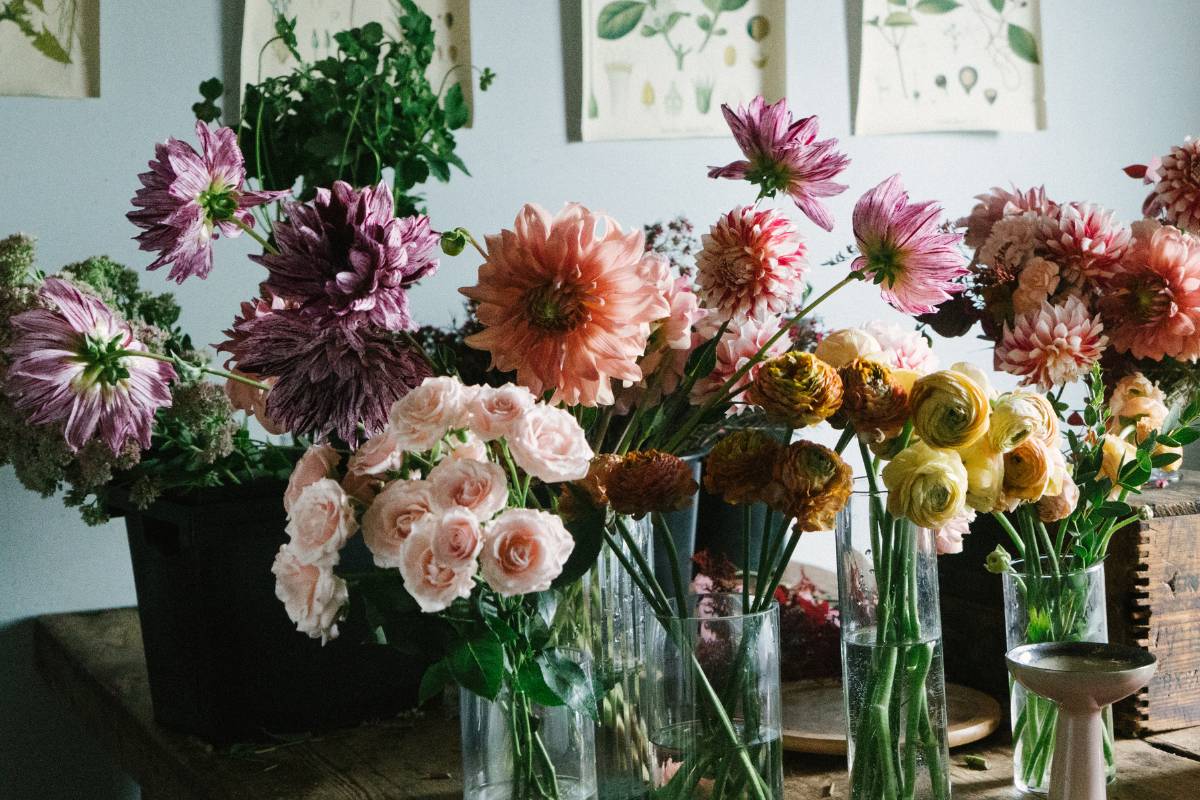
(814, 722)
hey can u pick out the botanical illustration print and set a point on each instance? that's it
(318, 20)
(662, 68)
(950, 65)
(50, 48)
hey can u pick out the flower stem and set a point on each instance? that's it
(220, 373)
(270, 248)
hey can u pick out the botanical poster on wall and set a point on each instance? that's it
(50, 48)
(950, 65)
(662, 68)
(318, 20)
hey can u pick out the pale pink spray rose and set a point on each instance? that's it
(469, 447)
(320, 521)
(548, 444)
(432, 584)
(391, 517)
(455, 537)
(949, 538)
(424, 415)
(524, 551)
(493, 411)
(378, 455)
(312, 595)
(318, 461)
(476, 486)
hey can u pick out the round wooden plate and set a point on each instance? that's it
(814, 721)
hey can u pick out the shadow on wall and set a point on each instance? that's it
(44, 752)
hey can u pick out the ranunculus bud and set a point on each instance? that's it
(872, 399)
(815, 484)
(949, 409)
(1018, 415)
(455, 241)
(926, 485)
(1116, 452)
(650, 480)
(796, 389)
(739, 468)
(998, 561)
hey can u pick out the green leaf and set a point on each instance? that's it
(619, 18)
(937, 6)
(478, 666)
(50, 47)
(898, 19)
(998, 5)
(673, 19)
(212, 89)
(1114, 509)
(433, 682)
(704, 22)
(649, 31)
(457, 113)
(1164, 459)
(568, 680)
(1023, 43)
(532, 682)
(587, 530)
(1187, 435)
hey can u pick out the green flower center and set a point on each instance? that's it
(769, 175)
(554, 309)
(1148, 300)
(104, 360)
(885, 262)
(219, 202)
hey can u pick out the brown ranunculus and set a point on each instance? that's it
(650, 480)
(872, 399)
(739, 469)
(815, 484)
(797, 389)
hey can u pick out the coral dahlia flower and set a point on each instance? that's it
(1086, 237)
(563, 303)
(72, 365)
(784, 156)
(1176, 181)
(1055, 345)
(188, 199)
(752, 263)
(345, 253)
(903, 249)
(1152, 302)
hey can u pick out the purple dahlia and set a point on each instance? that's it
(345, 253)
(188, 199)
(73, 363)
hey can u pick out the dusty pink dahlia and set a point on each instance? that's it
(784, 156)
(1176, 181)
(188, 199)
(1152, 302)
(345, 253)
(564, 303)
(752, 263)
(327, 378)
(71, 365)
(1053, 346)
(902, 249)
(741, 342)
(1000, 203)
(1086, 237)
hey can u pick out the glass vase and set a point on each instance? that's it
(714, 701)
(894, 689)
(1051, 603)
(515, 749)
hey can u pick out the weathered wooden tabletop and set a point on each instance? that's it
(94, 660)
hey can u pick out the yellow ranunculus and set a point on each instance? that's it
(1018, 415)
(1032, 470)
(985, 476)
(797, 389)
(949, 409)
(1116, 453)
(926, 485)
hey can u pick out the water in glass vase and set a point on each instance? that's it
(693, 760)
(568, 789)
(895, 698)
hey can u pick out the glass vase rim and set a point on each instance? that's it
(1098, 565)
(771, 608)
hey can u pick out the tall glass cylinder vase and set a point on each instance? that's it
(713, 701)
(893, 685)
(514, 749)
(1049, 602)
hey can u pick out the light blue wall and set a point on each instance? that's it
(1120, 85)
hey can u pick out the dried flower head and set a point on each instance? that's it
(740, 468)
(872, 399)
(815, 484)
(650, 480)
(797, 389)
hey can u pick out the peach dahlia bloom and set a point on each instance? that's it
(563, 304)
(1055, 345)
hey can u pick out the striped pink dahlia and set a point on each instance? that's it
(1000, 203)
(1176, 181)
(1087, 238)
(752, 263)
(73, 364)
(1052, 346)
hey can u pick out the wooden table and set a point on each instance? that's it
(94, 660)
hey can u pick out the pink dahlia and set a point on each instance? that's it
(345, 253)
(741, 342)
(1176, 181)
(752, 263)
(74, 363)
(1055, 345)
(1152, 302)
(326, 378)
(903, 348)
(564, 303)
(188, 199)
(1086, 238)
(997, 204)
(784, 156)
(903, 249)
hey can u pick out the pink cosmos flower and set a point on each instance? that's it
(999, 203)
(1056, 345)
(188, 199)
(563, 303)
(71, 366)
(752, 263)
(903, 250)
(1176, 181)
(742, 340)
(1086, 237)
(345, 254)
(784, 156)
(1152, 302)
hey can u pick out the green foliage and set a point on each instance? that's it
(619, 18)
(20, 14)
(119, 287)
(936, 6)
(207, 109)
(16, 260)
(1023, 43)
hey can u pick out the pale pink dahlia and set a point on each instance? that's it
(563, 303)
(752, 263)
(741, 342)
(188, 199)
(1152, 302)
(1000, 203)
(903, 348)
(1086, 237)
(345, 254)
(784, 156)
(1176, 181)
(902, 249)
(73, 364)
(1053, 346)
